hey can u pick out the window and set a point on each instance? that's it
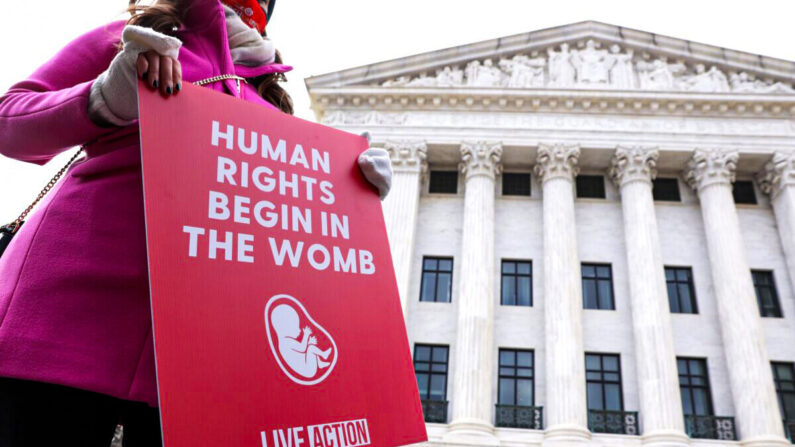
(597, 286)
(430, 366)
(743, 192)
(591, 187)
(603, 381)
(666, 190)
(517, 283)
(515, 184)
(444, 182)
(784, 378)
(694, 386)
(681, 293)
(766, 295)
(437, 279)
(516, 378)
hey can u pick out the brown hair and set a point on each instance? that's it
(166, 16)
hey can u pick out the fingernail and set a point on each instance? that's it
(155, 83)
(143, 76)
(168, 90)
(178, 87)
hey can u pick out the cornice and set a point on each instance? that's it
(741, 105)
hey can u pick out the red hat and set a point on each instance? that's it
(251, 12)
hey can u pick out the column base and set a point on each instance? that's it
(665, 438)
(766, 441)
(471, 432)
(566, 435)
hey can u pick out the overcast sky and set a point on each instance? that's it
(320, 36)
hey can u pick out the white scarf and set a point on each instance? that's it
(246, 45)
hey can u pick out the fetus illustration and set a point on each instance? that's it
(304, 350)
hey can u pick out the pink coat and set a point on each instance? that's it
(74, 294)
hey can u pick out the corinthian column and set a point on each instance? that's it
(632, 170)
(566, 412)
(778, 180)
(711, 173)
(401, 206)
(474, 349)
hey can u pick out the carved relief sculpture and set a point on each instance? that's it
(524, 72)
(483, 75)
(449, 77)
(622, 75)
(561, 70)
(592, 65)
(705, 81)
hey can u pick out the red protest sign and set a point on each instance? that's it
(277, 321)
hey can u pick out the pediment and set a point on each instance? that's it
(581, 56)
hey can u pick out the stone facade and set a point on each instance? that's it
(589, 99)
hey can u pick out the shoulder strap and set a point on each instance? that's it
(15, 225)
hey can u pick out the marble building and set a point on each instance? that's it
(593, 232)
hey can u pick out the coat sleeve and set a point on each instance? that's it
(48, 112)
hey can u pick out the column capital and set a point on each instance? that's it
(408, 155)
(713, 166)
(481, 158)
(557, 161)
(634, 163)
(777, 174)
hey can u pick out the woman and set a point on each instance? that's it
(76, 354)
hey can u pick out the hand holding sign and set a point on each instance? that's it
(268, 281)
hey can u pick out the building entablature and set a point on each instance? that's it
(769, 169)
(328, 103)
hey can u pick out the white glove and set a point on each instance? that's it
(377, 169)
(114, 95)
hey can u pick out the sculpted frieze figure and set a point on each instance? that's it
(592, 65)
(484, 74)
(706, 81)
(423, 81)
(658, 74)
(745, 83)
(777, 87)
(399, 82)
(450, 77)
(524, 72)
(622, 75)
(561, 69)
